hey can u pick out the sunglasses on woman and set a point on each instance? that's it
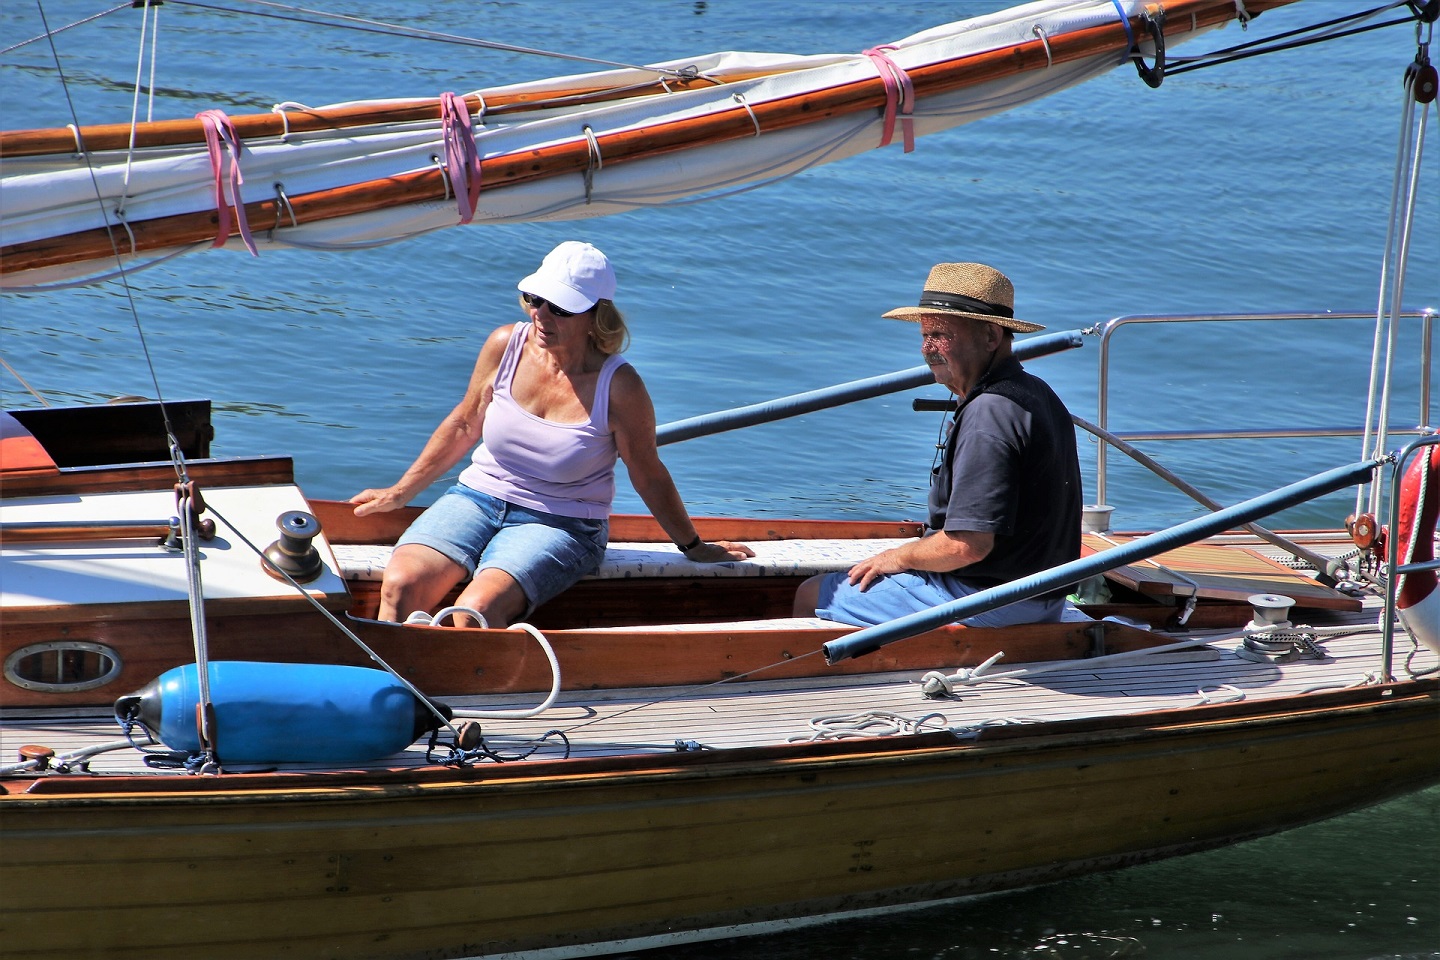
(537, 302)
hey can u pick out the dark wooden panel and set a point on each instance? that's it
(108, 433)
(631, 601)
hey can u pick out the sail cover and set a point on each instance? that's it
(636, 138)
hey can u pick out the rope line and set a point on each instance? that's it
(220, 132)
(594, 162)
(462, 157)
(740, 99)
(899, 96)
(364, 25)
(1321, 33)
(869, 724)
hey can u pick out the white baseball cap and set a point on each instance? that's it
(572, 276)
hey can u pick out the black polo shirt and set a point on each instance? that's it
(1010, 469)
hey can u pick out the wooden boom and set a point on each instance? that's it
(1183, 16)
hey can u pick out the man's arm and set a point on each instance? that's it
(940, 552)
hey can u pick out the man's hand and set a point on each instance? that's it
(882, 564)
(942, 552)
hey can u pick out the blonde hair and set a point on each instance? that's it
(608, 330)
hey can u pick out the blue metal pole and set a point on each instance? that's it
(873, 638)
(802, 403)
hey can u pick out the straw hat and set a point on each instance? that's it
(967, 290)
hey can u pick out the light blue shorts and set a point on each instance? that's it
(914, 591)
(544, 552)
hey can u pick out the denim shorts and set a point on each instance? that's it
(544, 552)
(914, 591)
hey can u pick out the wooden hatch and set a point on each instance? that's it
(1217, 572)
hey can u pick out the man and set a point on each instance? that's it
(1005, 493)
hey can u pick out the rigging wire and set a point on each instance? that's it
(49, 34)
(188, 514)
(321, 18)
(1394, 262)
(1322, 32)
(364, 25)
(174, 445)
(145, 25)
(24, 383)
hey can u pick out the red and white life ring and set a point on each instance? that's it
(1418, 596)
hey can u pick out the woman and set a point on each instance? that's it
(556, 404)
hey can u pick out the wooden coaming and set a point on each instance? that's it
(152, 637)
(342, 526)
(443, 661)
(226, 472)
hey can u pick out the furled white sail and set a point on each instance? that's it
(759, 121)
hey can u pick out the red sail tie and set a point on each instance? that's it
(462, 160)
(899, 92)
(218, 129)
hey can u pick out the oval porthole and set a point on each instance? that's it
(63, 666)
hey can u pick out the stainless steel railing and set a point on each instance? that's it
(1109, 329)
(1392, 550)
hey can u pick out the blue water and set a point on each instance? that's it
(1257, 186)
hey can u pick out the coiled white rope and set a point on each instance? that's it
(874, 723)
(936, 684)
(420, 617)
(522, 714)
(1224, 693)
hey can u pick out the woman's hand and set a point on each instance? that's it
(718, 551)
(378, 501)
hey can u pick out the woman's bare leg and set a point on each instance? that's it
(494, 594)
(416, 578)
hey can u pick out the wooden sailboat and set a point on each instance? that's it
(705, 764)
(692, 794)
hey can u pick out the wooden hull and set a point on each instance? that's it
(440, 863)
(630, 841)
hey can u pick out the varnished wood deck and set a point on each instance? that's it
(756, 712)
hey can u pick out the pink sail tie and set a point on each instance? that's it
(899, 92)
(218, 129)
(462, 159)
